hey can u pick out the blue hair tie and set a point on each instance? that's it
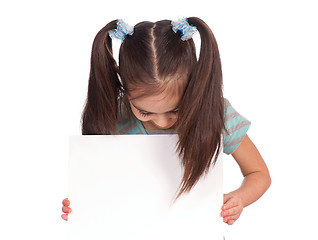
(184, 27)
(122, 30)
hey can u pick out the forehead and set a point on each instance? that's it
(157, 103)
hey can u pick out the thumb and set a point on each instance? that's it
(226, 197)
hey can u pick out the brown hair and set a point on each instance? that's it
(149, 59)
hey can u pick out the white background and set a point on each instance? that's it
(269, 57)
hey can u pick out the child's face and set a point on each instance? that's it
(158, 111)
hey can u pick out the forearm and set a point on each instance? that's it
(253, 187)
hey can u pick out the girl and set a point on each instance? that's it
(158, 87)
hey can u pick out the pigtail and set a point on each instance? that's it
(100, 112)
(200, 120)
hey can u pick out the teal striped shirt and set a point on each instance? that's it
(235, 124)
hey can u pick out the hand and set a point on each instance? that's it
(66, 209)
(231, 209)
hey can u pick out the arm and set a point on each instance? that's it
(256, 181)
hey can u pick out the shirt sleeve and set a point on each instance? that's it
(125, 125)
(236, 126)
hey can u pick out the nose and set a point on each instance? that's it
(163, 121)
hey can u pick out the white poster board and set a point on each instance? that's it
(122, 187)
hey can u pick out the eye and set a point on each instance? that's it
(175, 111)
(144, 114)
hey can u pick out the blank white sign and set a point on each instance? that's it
(122, 187)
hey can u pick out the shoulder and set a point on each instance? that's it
(236, 127)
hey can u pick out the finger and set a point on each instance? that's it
(66, 202)
(231, 211)
(233, 202)
(226, 198)
(233, 217)
(230, 222)
(66, 209)
(64, 216)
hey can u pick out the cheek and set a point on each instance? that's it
(174, 116)
(135, 113)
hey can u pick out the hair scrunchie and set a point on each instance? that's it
(121, 31)
(184, 27)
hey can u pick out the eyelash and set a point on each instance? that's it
(144, 114)
(147, 114)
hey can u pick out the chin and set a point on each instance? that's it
(160, 127)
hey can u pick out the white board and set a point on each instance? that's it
(123, 186)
